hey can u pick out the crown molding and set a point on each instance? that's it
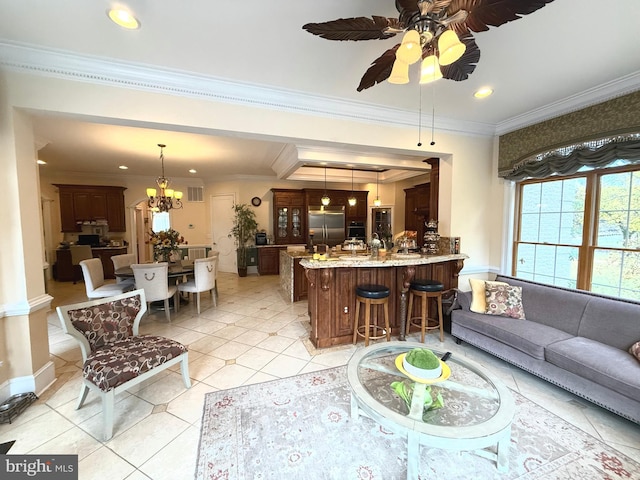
(36, 60)
(602, 93)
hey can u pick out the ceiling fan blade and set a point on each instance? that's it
(357, 28)
(435, 6)
(466, 64)
(379, 70)
(492, 13)
(458, 17)
(407, 5)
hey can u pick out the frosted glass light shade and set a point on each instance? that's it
(399, 73)
(151, 192)
(177, 195)
(168, 193)
(352, 201)
(325, 200)
(430, 70)
(377, 202)
(410, 51)
(450, 47)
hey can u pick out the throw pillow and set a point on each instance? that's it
(478, 294)
(635, 350)
(504, 300)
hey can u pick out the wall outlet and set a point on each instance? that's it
(253, 259)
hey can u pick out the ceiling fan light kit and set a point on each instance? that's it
(430, 70)
(439, 28)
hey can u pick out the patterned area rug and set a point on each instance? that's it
(301, 428)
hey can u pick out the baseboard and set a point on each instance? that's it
(36, 383)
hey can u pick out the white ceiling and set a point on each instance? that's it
(564, 56)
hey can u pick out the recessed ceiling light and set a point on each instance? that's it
(483, 92)
(41, 162)
(123, 167)
(193, 170)
(123, 18)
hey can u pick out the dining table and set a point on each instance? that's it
(175, 272)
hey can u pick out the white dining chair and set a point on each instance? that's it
(123, 261)
(153, 278)
(94, 281)
(204, 279)
(79, 253)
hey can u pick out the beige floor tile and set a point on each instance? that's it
(36, 432)
(284, 366)
(229, 376)
(230, 350)
(204, 366)
(256, 358)
(276, 343)
(102, 464)
(177, 459)
(188, 406)
(72, 442)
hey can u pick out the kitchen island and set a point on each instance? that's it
(332, 284)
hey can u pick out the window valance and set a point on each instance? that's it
(570, 159)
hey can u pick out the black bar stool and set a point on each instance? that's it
(426, 289)
(371, 295)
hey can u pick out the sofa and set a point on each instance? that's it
(575, 339)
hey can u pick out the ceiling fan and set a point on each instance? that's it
(438, 32)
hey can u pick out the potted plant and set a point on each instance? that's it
(244, 230)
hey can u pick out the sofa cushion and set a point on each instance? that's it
(614, 322)
(603, 364)
(528, 337)
(504, 300)
(555, 307)
(478, 294)
(635, 350)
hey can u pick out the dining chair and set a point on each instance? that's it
(123, 261)
(79, 253)
(94, 281)
(154, 279)
(215, 254)
(115, 357)
(204, 279)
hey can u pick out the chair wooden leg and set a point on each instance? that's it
(423, 319)
(356, 320)
(409, 313)
(198, 301)
(386, 321)
(440, 318)
(108, 402)
(367, 321)
(84, 390)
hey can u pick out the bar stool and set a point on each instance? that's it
(426, 289)
(371, 295)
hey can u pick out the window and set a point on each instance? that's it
(160, 221)
(581, 231)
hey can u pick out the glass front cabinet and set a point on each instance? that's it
(289, 218)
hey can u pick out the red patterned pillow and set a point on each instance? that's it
(635, 350)
(504, 300)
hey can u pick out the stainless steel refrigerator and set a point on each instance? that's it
(327, 224)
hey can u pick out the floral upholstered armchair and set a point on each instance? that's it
(115, 357)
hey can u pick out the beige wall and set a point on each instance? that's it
(470, 197)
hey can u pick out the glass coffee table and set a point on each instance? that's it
(471, 409)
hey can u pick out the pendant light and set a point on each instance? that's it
(325, 198)
(352, 199)
(377, 202)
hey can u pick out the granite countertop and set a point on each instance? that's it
(391, 260)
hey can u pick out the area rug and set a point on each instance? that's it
(301, 428)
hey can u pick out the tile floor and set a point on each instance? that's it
(252, 336)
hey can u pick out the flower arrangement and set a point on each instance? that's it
(164, 243)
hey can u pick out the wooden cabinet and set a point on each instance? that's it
(357, 213)
(64, 267)
(289, 216)
(417, 209)
(300, 282)
(269, 260)
(82, 203)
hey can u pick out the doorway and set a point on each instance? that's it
(221, 225)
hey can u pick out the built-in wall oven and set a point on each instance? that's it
(356, 230)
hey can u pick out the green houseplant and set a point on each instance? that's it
(243, 231)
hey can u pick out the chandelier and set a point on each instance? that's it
(325, 198)
(168, 198)
(427, 37)
(352, 199)
(377, 202)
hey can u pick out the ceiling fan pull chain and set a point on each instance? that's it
(433, 113)
(420, 117)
